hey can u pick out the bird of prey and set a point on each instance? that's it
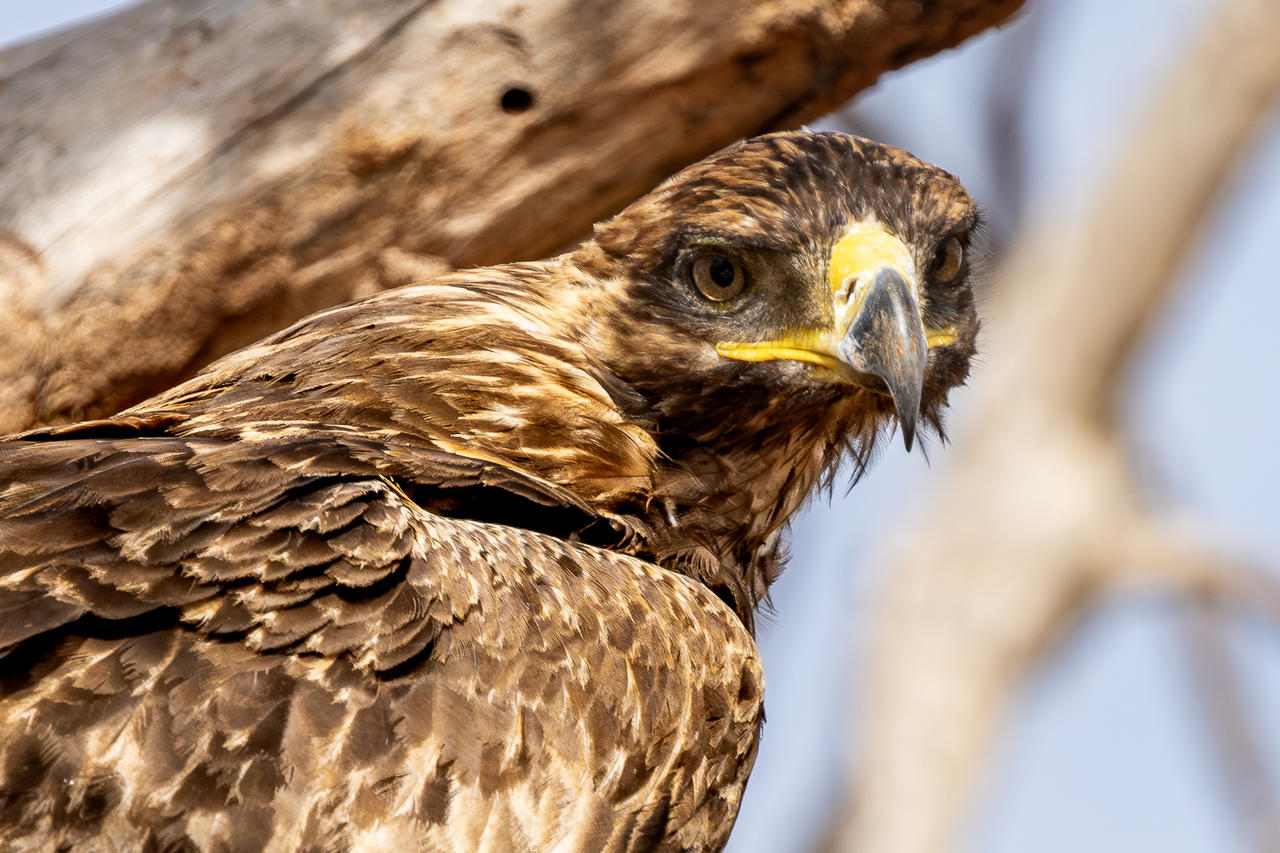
(473, 564)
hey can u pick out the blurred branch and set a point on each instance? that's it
(1091, 285)
(1006, 110)
(1024, 522)
(1182, 158)
(1231, 731)
(183, 178)
(1175, 554)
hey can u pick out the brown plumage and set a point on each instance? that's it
(472, 565)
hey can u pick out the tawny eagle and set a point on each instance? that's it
(472, 565)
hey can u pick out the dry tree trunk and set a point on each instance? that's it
(1039, 511)
(187, 176)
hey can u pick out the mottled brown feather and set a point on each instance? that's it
(471, 565)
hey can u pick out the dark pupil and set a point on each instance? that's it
(722, 272)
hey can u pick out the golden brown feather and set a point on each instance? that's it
(473, 565)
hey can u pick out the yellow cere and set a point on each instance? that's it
(865, 248)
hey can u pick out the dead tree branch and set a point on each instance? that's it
(183, 178)
(1231, 731)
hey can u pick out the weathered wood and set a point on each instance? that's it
(186, 176)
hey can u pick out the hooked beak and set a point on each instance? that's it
(877, 339)
(885, 341)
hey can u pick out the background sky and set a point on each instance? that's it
(1106, 751)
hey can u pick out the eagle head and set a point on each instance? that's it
(788, 280)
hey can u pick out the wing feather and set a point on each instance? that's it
(218, 634)
(239, 536)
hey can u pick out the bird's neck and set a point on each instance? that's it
(721, 509)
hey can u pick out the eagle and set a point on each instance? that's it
(474, 564)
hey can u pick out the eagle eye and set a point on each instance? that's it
(948, 260)
(718, 278)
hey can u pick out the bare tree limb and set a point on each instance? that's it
(1092, 285)
(1005, 110)
(1231, 731)
(184, 177)
(1175, 553)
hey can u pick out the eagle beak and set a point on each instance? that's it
(877, 339)
(885, 346)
